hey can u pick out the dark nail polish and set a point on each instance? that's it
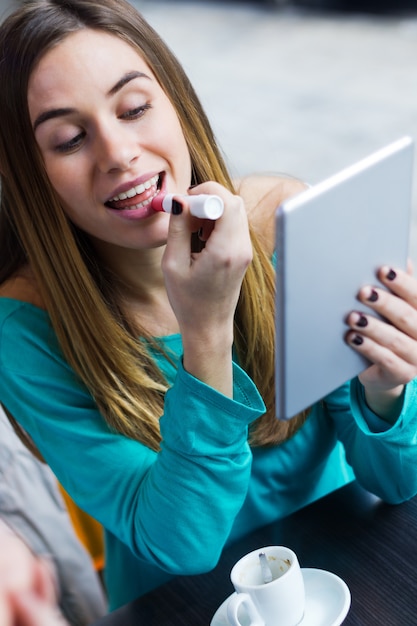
(362, 322)
(391, 275)
(373, 297)
(176, 208)
(357, 340)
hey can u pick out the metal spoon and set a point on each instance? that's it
(266, 572)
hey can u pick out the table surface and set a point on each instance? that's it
(371, 545)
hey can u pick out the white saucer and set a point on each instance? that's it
(327, 601)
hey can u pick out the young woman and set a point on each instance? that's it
(136, 347)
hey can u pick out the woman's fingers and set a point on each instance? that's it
(389, 368)
(396, 308)
(388, 341)
(401, 283)
(203, 287)
(218, 270)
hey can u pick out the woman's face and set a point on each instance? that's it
(109, 137)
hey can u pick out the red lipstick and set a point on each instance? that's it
(204, 206)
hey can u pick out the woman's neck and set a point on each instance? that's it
(142, 287)
(138, 272)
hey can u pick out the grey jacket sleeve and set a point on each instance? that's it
(31, 504)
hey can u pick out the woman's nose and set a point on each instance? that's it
(116, 148)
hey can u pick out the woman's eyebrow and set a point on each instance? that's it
(126, 79)
(52, 113)
(49, 115)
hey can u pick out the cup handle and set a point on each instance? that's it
(233, 606)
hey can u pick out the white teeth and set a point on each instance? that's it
(142, 204)
(140, 188)
(135, 191)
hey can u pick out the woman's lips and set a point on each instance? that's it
(136, 197)
(137, 202)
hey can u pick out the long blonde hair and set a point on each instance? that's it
(82, 298)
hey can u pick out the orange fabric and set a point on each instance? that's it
(87, 529)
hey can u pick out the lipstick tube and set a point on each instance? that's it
(204, 206)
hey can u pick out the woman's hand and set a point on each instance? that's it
(27, 585)
(204, 287)
(389, 343)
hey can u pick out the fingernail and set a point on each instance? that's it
(176, 207)
(357, 340)
(391, 275)
(362, 321)
(373, 297)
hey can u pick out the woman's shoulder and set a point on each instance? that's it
(22, 287)
(262, 194)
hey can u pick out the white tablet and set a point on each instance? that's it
(330, 240)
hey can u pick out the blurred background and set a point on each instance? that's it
(303, 87)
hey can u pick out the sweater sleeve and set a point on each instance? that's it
(173, 508)
(383, 457)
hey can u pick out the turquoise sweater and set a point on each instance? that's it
(172, 512)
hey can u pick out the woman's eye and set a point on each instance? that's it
(134, 114)
(72, 144)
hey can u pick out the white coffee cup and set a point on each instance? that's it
(280, 602)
